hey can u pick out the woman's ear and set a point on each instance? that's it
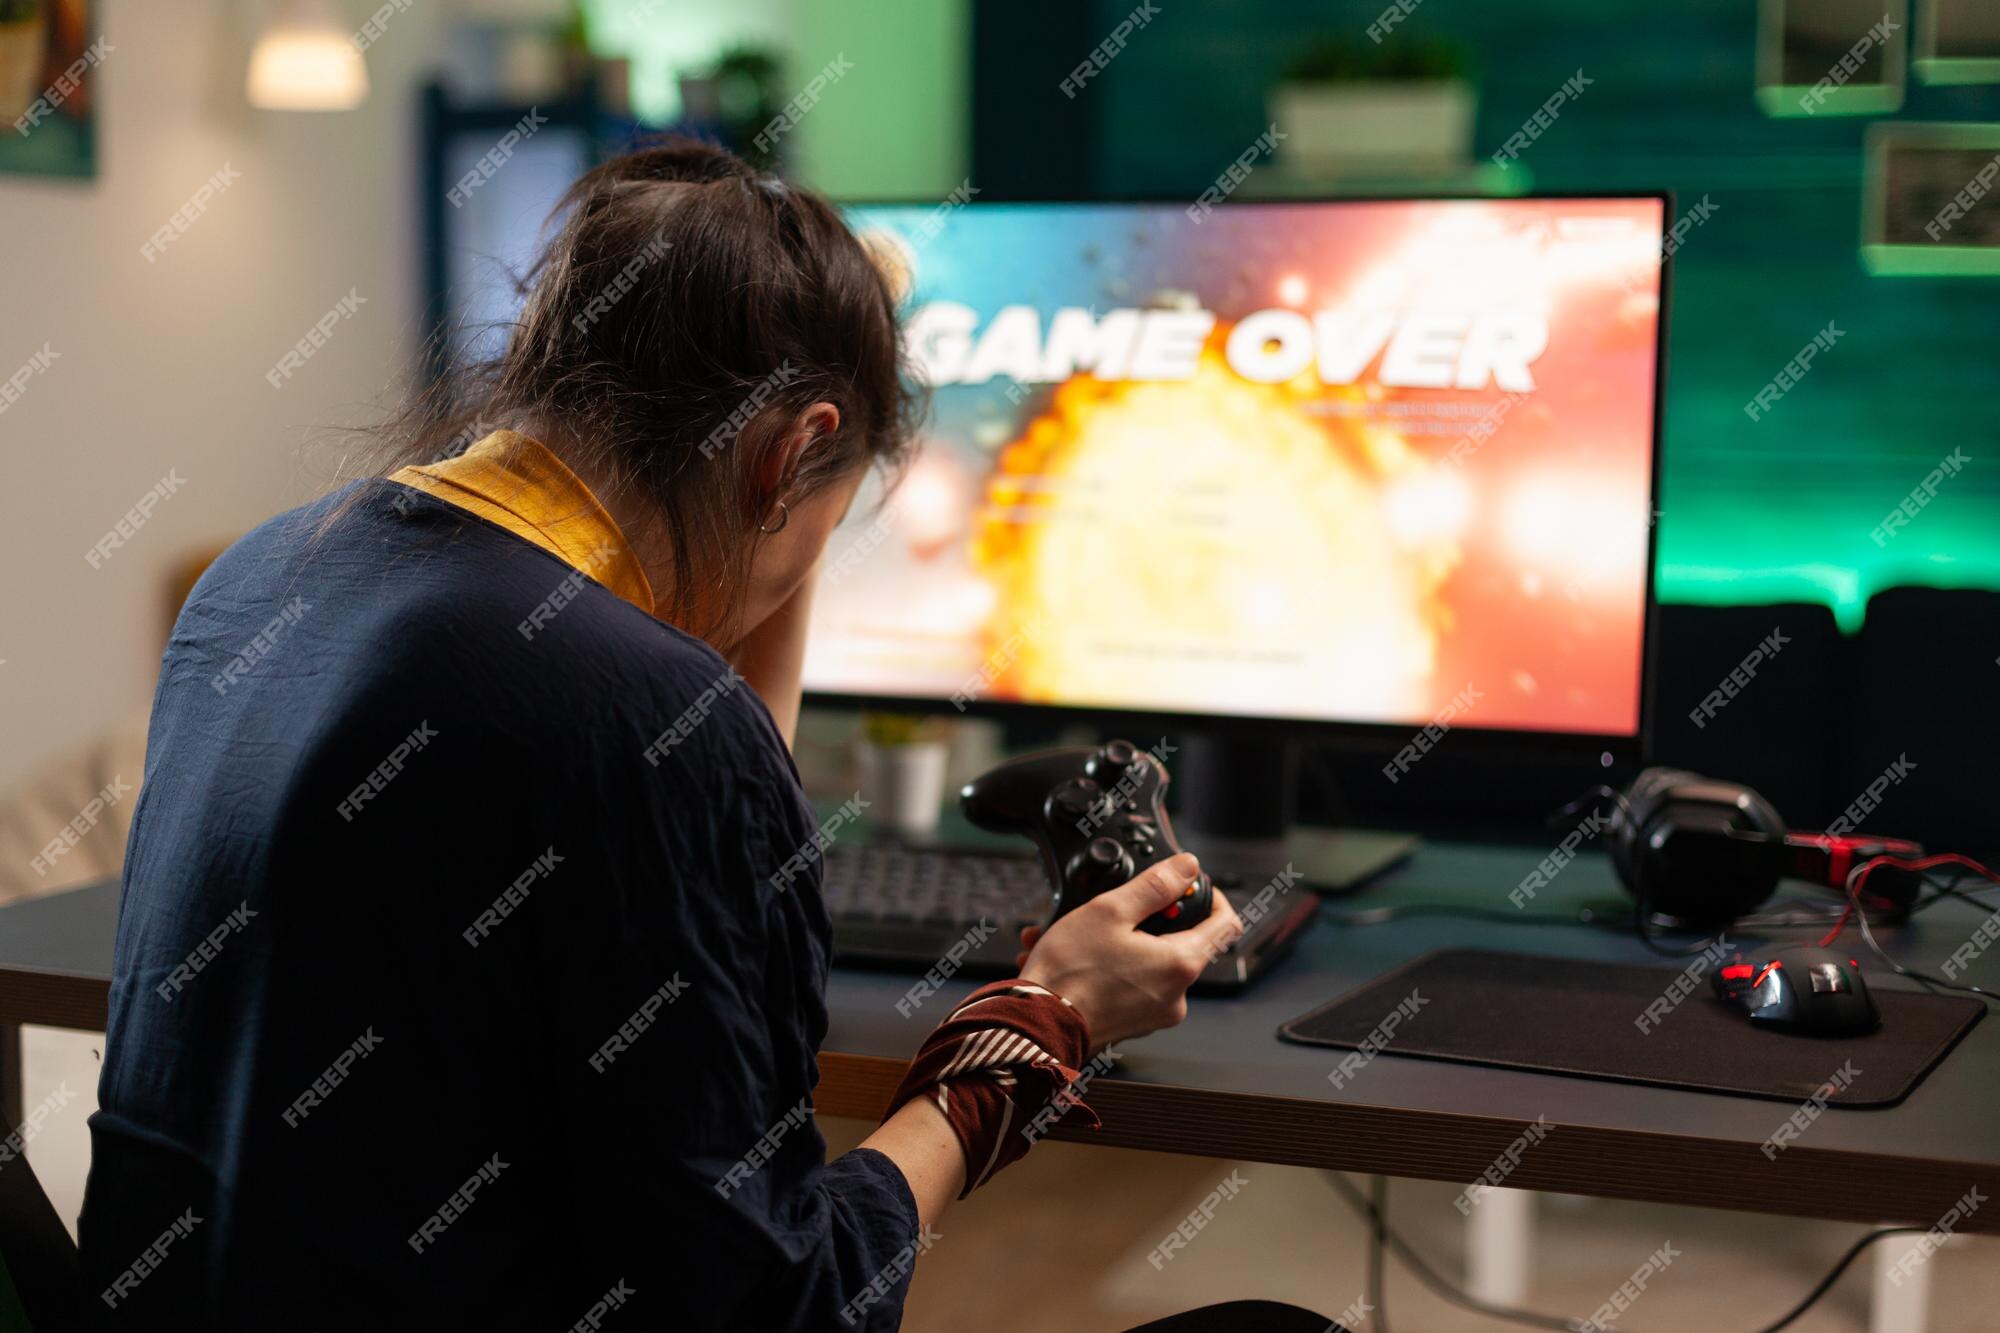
(780, 464)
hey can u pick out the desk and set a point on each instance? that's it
(1222, 1085)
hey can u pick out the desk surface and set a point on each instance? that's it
(1223, 1085)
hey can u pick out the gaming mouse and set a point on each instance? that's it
(1801, 989)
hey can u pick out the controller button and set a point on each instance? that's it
(1106, 851)
(1173, 910)
(1076, 796)
(1188, 892)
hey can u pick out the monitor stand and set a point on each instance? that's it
(1236, 808)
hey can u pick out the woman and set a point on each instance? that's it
(456, 986)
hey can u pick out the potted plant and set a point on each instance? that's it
(1401, 107)
(902, 759)
(23, 40)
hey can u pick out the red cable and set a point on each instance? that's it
(1861, 873)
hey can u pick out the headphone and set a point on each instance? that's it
(1705, 852)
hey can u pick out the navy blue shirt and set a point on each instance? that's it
(454, 987)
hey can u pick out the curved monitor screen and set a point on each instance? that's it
(1357, 462)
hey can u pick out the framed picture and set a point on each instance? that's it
(1831, 57)
(1958, 41)
(49, 54)
(1931, 200)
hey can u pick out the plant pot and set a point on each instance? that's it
(22, 45)
(1393, 127)
(904, 785)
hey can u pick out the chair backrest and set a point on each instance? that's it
(39, 1258)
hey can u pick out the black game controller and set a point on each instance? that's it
(1099, 816)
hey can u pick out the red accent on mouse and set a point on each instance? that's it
(1806, 990)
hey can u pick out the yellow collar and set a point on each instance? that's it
(517, 484)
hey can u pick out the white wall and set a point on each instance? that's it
(161, 365)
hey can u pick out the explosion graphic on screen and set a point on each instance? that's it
(1133, 521)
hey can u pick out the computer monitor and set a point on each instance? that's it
(1323, 469)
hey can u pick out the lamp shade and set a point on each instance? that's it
(306, 60)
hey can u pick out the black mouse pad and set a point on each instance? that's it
(1566, 1016)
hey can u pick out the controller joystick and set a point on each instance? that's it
(1098, 816)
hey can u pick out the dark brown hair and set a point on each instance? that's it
(686, 309)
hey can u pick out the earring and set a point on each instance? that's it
(784, 517)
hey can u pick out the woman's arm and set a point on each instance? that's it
(920, 1142)
(772, 656)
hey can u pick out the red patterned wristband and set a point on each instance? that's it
(992, 1067)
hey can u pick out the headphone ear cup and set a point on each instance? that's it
(1636, 864)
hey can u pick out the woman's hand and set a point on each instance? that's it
(772, 655)
(1123, 981)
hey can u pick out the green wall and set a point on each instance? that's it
(1751, 511)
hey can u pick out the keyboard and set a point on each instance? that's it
(900, 907)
